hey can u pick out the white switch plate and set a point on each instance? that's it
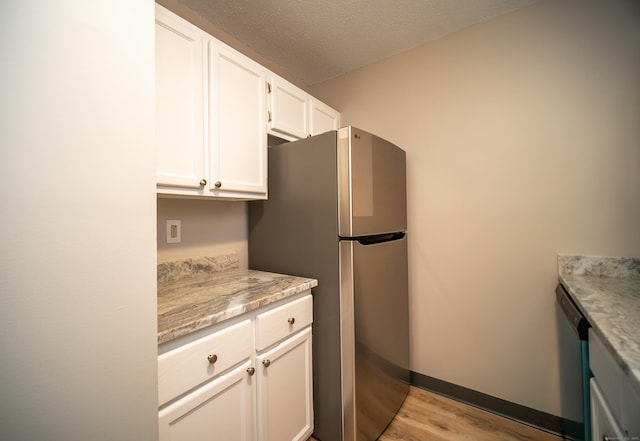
(174, 231)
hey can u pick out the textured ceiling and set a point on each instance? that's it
(316, 40)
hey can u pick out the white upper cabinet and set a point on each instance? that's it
(238, 137)
(288, 108)
(211, 131)
(180, 102)
(323, 117)
(294, 114)
(214, 110)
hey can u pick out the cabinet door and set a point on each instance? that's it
(323, 118)
(221, 409)
(180, 101)
(238, 128)
(284, 390)
(603, 423)
(630, 418)
(288, 108)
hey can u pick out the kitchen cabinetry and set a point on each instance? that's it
(181, 110)
(603, 424)
(284, 385)
(323, 117)
(247, 379)
(211, 115)
(295, 114)
(285, 398)
(222, 407)
(214, 109)
(615, 405)
(288, 109)
(238, 139)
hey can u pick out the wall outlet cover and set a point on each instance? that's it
(174, 231)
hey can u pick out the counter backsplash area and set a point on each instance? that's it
(180, 269)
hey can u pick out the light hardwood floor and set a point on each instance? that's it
(426, 416)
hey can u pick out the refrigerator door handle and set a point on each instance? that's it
(378, 238)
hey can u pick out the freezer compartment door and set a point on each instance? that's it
(371, 184)
(381, 326)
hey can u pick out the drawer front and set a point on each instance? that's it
(187, 366)
(283, 321)
(606, 371)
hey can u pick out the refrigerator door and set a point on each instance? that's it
(378, 281)
(371, 184)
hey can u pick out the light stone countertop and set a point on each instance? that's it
(607, 291)
(196, 293)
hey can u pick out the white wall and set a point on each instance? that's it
(209, 228)
(78, 254)
(523, 141)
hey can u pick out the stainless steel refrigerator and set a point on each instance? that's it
(337, 212)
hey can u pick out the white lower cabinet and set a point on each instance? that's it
(250, 379)
(630, 418)
(284, 390)
(603, 424)
(221, 409)
(615, 403)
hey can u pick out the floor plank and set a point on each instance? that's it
(426, 416)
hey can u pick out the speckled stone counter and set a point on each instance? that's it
(196, 293)
(607, 291)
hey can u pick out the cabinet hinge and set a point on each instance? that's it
(268, 87)
(268, 115)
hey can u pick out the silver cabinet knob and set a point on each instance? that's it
(218, 184)
(212, 358)
(203, 182)
(266, 363)
(251, 370)
(292, 320)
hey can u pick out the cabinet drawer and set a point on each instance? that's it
(278, 323)
(188, 365)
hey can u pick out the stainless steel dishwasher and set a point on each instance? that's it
(575, 373)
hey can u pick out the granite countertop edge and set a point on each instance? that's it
(607, 292)
(202, 299)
